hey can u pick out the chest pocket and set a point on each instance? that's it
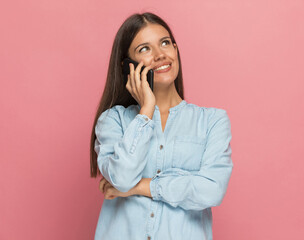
(188, 152)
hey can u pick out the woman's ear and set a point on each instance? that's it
(176, 49)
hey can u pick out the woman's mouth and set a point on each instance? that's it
(162, 69)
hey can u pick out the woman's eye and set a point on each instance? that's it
(167, 41)
(148, 47)
(142, 49)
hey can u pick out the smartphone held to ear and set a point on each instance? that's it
(126, 71)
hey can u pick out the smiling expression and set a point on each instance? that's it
(153, 44)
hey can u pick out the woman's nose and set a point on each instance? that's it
(158, 55)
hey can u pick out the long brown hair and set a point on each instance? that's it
(115, 92)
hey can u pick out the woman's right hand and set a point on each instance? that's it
(110, 192)
(138, 86)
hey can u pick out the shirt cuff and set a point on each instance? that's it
(145, 120)
(154, 188)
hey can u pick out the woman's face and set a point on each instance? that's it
(153, 44)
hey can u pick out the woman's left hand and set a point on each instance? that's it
(110, 192)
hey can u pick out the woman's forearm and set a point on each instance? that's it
(143, 187)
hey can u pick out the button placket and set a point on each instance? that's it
(158, 170)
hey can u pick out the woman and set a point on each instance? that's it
(165, 162)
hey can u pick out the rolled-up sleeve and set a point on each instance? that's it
(122, 154)
(197, 190)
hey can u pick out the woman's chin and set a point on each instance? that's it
(162, 82)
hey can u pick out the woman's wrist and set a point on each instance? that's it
(143, 187)
(148, 111)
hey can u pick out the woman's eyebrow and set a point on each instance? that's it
(148, 43)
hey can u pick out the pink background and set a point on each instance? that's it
(242, 56)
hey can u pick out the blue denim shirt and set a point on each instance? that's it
(189, 163)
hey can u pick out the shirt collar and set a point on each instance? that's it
(172, 109)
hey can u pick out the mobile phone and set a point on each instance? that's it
(126, 71)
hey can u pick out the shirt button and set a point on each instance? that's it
(158, 171)
(146, 119)
(152, 215)
(161, 147)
